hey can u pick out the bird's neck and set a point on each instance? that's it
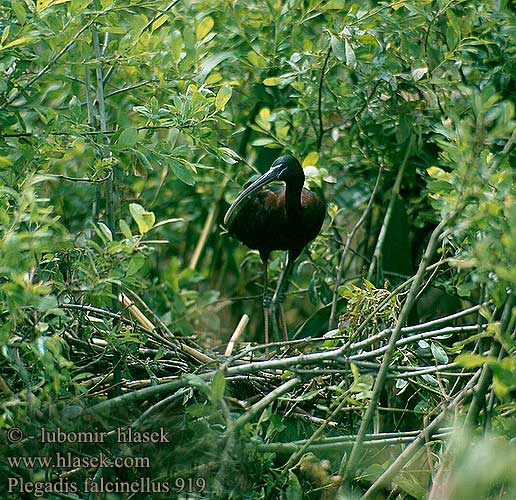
(293, 199)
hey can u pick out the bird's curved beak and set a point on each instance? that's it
(271, 175)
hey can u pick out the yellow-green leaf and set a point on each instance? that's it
(273, 81)
(263, 118)
(223, 96)
(43, 4)
(19, 41)
(144, 219)
(5, 161)
(159, 22)
(213, 78)
(256, 59)
(468, 360)
(435, 172)
(311, 159)
(204, 27)
(5, 34)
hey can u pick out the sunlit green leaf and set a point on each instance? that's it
(144, 219)
(223, 96)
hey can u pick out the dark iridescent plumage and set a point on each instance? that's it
(277, 218)
(263, 223)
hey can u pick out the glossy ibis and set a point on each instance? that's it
(277, 218)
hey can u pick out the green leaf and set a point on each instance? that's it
(19, 10)
(211, 63)
(176, 45)
(105, 231)
(351, 59)
(183, 173)
(126, 230)
(77, 6)
(338, 48)
(127, 138)
(264, 141)
(218, 386)
(439, 353)
(228, 155)
(196, 381)
(223, 96)
(294, 489)
(135, 264)
(143, 218)
(418, 73)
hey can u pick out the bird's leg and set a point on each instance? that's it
(266, 309)
(281, 291)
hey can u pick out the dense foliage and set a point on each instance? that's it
(126, 128)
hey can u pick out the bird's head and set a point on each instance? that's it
(285, 168)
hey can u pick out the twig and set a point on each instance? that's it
(109, 187)
(78, 179)
(97, 310)
(319, 102)
(206, 230)
(95, 132)
(236, 334)
(414, 338)
(388, 214)
(415, 328)
(157, 16)
(143, 321)
(315, 436)
(336, 443)
(263, 403)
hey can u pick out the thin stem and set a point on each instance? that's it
(109, 188)
(264, 402)
(157, 16)
(206, 230)
(338, 278)
(388, 214)
(319, 102)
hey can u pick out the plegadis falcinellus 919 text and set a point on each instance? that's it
(279, 217)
